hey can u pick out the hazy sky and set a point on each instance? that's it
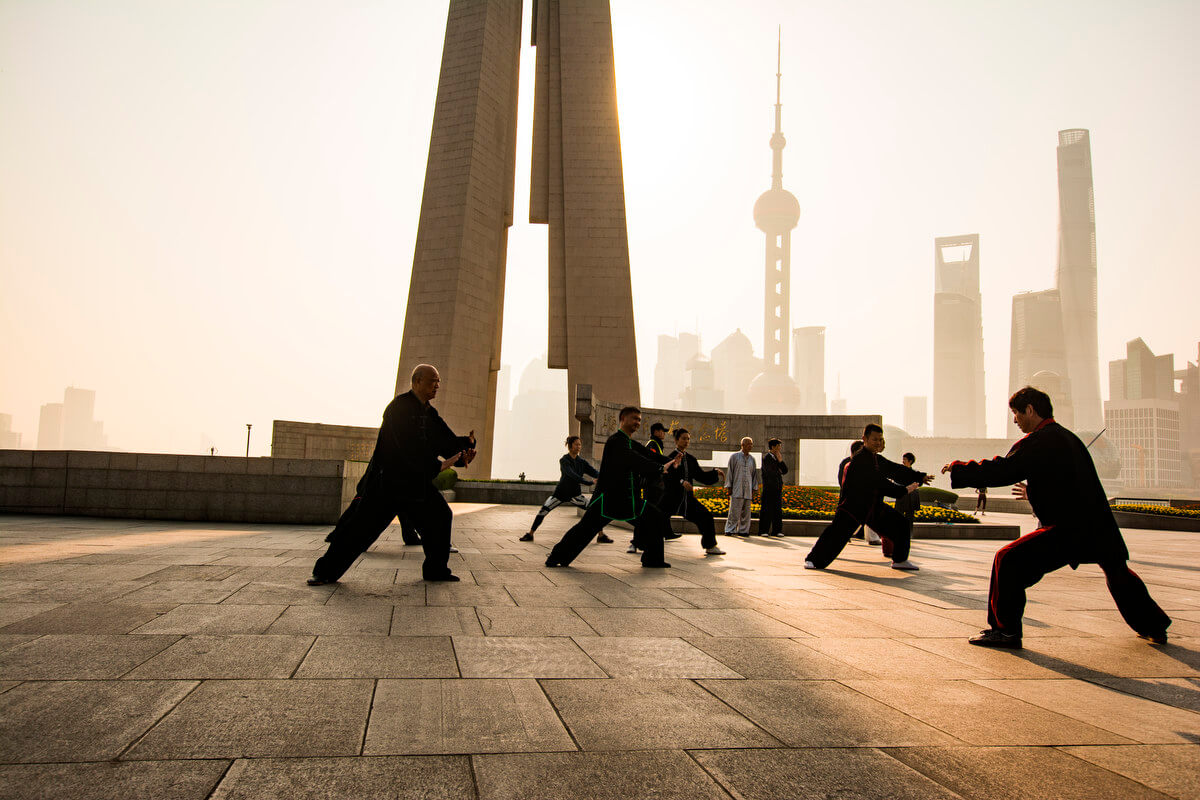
(208, 209)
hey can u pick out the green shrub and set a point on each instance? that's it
(445, 480)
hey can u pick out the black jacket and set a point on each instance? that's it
(623, 466)
(689, 469)
(773, 470)
(868, 479)
(408, 451)
(842, 470)
(1064, 490)
(573, 472)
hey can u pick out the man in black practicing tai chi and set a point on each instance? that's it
(624, 468)
(574, 470)
(861, 532)
(867, 479)
(654, 487)
(678, 498)
(413, 446)
(1077, 524)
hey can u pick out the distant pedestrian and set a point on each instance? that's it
(574, 472)
(413, 446)
(981, 501)
(1053, 469)
(679, 498)
(770, 515)
(741, 479)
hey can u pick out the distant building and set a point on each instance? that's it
(734, 367)
(9, 439)
(81, 431)
(701, 393)
(958, 377)
(538, 421)
(1036, 349)
(50, 427)
(1189, 420)
(1143, 419)
(916, 415)
(1076, 275)
(808, 367)
(674, 352)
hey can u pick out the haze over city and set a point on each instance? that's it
(207, 211)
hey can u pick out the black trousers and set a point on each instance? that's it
(887, 522)
(694, 512)
(1022, 563)
(369, 516)
(647, 535)
(770, 515)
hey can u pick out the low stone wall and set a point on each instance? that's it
(162, 486)
(1156, 522)
(921, 530)
(503, 493)
(1003, 504)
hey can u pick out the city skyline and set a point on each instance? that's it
(217, 253)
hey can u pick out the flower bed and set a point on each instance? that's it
(1164, 511)
(808, 502)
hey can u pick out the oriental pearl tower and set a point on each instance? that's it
(776, 213)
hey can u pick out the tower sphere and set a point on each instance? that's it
(776, 211)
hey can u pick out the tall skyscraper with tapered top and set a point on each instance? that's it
(1076, 275)
(958, 397)
(456, 295)
(776, 213)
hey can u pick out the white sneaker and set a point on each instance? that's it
(631, 549)
(713, 551)
(453, 549)
(905, 565)
(873, 537)
(809, 565)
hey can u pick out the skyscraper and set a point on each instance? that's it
(1142, 417)
(776, 213)
(1036, 353)
(1076, 275)
(808, 367)
(958, 393)
(916, 416)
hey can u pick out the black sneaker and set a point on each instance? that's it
(994, 638)
(526, 538)
(604, 538)
(550, 562)
(1154, 638)
(445, 577)
(672, 535)
(315, 581)
(656, 565)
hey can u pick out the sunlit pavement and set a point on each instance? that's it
(175, 660)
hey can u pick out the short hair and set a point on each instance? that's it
(773, 441)
(571, 440)
(627, 410)
(1029, 396)
(658, 426)
(678, 432)
(746, 439)
(910, 457)
(855, 446)
(420, 369)
(871, 428)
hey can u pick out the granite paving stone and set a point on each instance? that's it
(762, 657)
(89, 618)
(1134, 718)
(886, 658)
(655, 622)
(214, 618)
(981, 716)
(292, 593)
(823, 714)
(1019, 773)
(741, 622)
(465, 594)
(366, 656)
(178, 592)
(12, 613)
(517, 621)
(112, 780)
(1177, 692)
(645, 775)
(258, 718)
(399, 594)
(435, 621)
(999, 663)
(553, 597)
(226, 656)
(463, 716)
(44, 721)
(372, 617)
(830, 623)
(1170, 769)
(634, 657)
(80, 656)
(640, 714)
(817, 774)
(361, 778)
(523, 657)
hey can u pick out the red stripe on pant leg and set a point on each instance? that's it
(994, 590)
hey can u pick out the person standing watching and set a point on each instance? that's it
(741, 479)
(770, 515)
(1052, 468)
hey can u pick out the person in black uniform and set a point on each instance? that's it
(868, 478)
(653, 488)
(861, 531)
(413, 446)
(573, 471)
(1077, 524)
(624, 466)
(678, 498)
(770, 515)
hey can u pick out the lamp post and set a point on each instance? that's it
(247, 440)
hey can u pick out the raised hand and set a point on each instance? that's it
(450, 462)
(947, 468)
(1021, 490)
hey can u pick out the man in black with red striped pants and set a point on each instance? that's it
(1077, 524)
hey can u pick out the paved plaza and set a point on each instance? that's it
(181, 660)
